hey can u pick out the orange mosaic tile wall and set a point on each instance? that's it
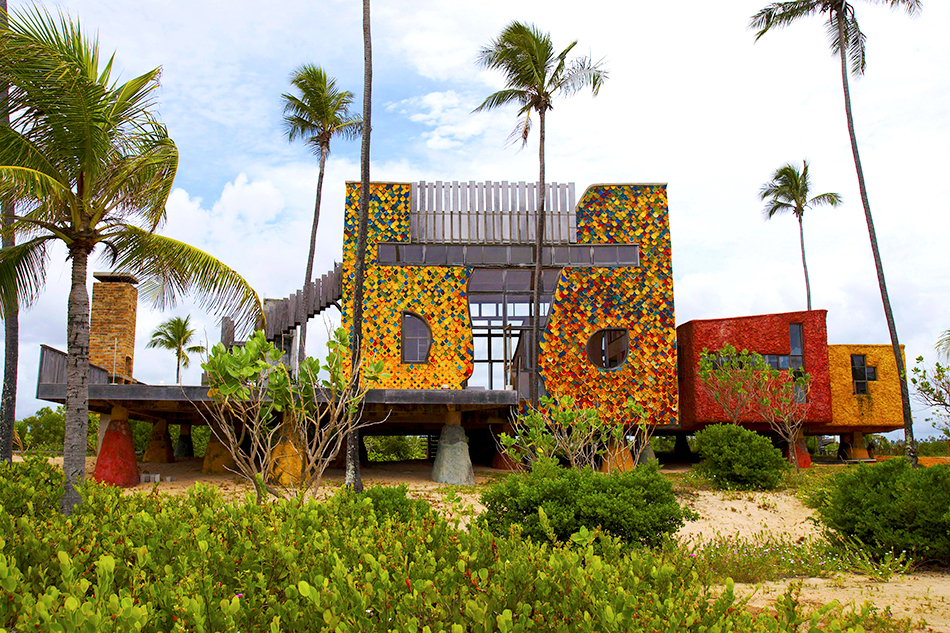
(436, 293)
(880, 409)
(638, 299)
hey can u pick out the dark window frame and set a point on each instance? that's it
(403, 338)
(862, 374)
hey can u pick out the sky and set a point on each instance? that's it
(691, 100)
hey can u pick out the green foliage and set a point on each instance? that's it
(45, 430)
(637, 506)
(151, 563)
(737, 458)
(31, 488)
(579, 437)
(933, 390)
(395, 448)
(392, 502)
(891, 508)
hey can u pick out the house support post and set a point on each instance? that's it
(453, 464)
(185, 447)
(116, 463)
(218, 458)
(159, 450)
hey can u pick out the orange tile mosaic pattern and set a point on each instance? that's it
(438, 294)
(638, 299)
(880, 409)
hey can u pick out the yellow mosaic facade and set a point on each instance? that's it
(880, 409)
(438, 294)
(638, 299)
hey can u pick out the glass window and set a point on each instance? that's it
(861, 373)
(416, 338)
(549, 280)
(436, 255)
(486, 280)
(562, 256)
(580, 255)
(387, 253)
(628, 255)
(870, 373)
(524, 255)
(518, 280)
(605, 255)
(795, 339)
(410, 253)
(455, 255)
(608, 348)
(495, 255)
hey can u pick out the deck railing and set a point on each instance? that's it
(53, 369)
(490, 213)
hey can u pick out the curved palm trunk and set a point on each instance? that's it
(77, 381)
(178, 369)
(538, 241)
(302, 344)
(910, 446)
(801, 236)
(352, 478)
(11, 323)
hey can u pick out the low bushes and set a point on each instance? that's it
(891, 508)
(737, 458)
(636, 506)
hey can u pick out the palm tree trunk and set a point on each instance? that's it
(178, 369)
(77, 381)
(11, 323)
(910, 446)
(352, 478)
(538, 242)
(801, 236)
(302, 344)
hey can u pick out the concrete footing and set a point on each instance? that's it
(185, 447)
(287, 463)
(159, 450)
(453, 464)
(116, 461)
(218, 459)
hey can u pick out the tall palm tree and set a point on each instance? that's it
(352, 477)
(788, 192)
(176, 334)
(848, 42)
(87, 164)
(319, 113)
(11, 321)
(534, 75)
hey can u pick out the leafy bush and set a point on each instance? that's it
(737, 458)
(31, 488)
(637, 506)
(392, 502)
(153, 562)
(395, 448)
(891, 507)
(45, 430)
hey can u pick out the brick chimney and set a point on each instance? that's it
(112, 324)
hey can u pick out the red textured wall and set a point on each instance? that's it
(765, 334)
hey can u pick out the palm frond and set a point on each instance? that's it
(22, 273)
(825, 199)
(171, 269)
(583, 73)
(321, 110)
(503, 97)
(912, 7)
(781, 14)
(943, 344)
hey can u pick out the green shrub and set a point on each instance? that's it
(891, 508)
(737, 458)
(395, 448)
(392, 502)
(32, 487)
(637, 506)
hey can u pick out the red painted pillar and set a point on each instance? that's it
(116, 461)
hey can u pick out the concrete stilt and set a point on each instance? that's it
(185, 447)
(801, 452)
(104, 419)
(858, 449)
(501, 460)
(287, 463)
(218, 459)
(681, 448)
(453, 464)
(116, 461)
(159, 450)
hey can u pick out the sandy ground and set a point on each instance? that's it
(924, 598)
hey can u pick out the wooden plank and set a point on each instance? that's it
(572, 229)
(455, 226)
(566, 212)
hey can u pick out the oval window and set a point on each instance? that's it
(608, 348)
(416, 338)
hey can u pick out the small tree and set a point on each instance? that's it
(733, 379)
(580, 436)
(933, 390)
(782, 402)
(283, 433)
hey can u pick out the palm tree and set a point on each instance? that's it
(943, 345)
(87, 163)
(11, 322)
(176, 334)
(848, 42)
(788, 192)
(319, 113)
(352, 477)
(534, 75)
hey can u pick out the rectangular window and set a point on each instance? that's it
(861, 374)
